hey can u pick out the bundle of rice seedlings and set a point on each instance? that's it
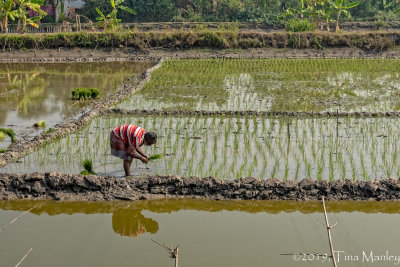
(88, 166)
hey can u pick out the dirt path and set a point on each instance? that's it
(69, 187)
(123, 54)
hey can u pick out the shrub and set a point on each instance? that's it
(3, 150)
(295, 25)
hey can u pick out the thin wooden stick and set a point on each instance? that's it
(16, 218)
(173, 253)
(328, 228)
(26, 255)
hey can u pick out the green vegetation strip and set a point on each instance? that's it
(177, 113)
(370, 41)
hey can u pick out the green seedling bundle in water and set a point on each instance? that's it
(234, 147)
(272, 85)
(88, 167)
(8, 132)
(84, 93)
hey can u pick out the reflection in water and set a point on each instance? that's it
(131, 222)
(30, 92)
(128, 220)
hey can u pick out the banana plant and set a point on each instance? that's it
(306, 8)
(22, 12)
(111, 21)
(340, 7)
(6, 13)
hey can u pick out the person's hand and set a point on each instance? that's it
(144, 160)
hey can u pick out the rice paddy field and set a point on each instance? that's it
(234, 147)
(30, 92)
(311, 85)
(211, 233)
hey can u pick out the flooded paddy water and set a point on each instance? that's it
(234, 147)
(311, 85)
(209, 233)
(30, 92)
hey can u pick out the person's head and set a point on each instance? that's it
(150, 138)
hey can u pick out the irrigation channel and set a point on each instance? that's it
(209, 233)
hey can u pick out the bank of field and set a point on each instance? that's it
(234, 147)
(310, 85)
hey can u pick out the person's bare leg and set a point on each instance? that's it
(127, 167)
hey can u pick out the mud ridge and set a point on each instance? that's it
(22, 147)
(363, 114)
(70, 187)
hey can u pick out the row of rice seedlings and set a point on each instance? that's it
(203, 146)
(272, 84)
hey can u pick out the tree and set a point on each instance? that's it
(6, 13)
(340, 7)
(111, 21)
(22, 12)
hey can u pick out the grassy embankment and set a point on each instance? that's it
(182, 39)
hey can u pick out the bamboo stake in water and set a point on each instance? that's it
(328, 228)
(173, 253)
(16, 218)
(23, 258)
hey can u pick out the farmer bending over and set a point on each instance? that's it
(125, 142)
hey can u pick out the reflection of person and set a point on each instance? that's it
(126, 140)
(131, 222)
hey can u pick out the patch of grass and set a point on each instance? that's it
(10, 133)
(88, 166)
(84, 93)
(3, 150)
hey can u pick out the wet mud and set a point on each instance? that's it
(69, 187)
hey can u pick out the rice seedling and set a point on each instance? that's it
(9, 132)
(154, 157)
(84, 93)
(40, 124)
(88, 167)
(240, 84)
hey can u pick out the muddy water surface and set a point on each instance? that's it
(210, 233)
(31, 92)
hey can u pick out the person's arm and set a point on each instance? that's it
(131, 151)
(138, 149)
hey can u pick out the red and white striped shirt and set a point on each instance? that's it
(130, 134)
